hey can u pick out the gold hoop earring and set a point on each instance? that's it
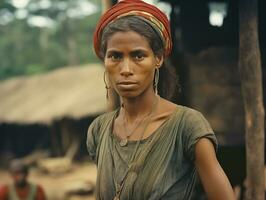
(156, 80)
(106, 85)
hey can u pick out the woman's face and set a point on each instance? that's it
(130, 63)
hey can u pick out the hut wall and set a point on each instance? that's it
(215, 90)
(20, 140)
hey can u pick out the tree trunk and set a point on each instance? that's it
(72, 46)
(106, 4)
(251, 81)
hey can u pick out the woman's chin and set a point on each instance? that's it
(128, 94)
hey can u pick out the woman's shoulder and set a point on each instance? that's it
(190, 118)
(96, 131)
(194, 123)
(188, 111)
(104, 118)
(178, 110)
(170, 107)
(191, 114)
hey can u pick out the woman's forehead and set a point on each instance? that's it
(129, 38)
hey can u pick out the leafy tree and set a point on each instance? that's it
(46, 34)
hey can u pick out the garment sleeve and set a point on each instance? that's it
(92, 139)
(196, 127)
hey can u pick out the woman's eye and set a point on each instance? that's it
(115, 56)
(139, 56)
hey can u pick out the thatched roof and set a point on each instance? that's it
(73, 92)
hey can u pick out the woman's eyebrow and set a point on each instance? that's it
(113, 51)
(139, 50)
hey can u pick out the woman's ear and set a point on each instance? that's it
(159, 60)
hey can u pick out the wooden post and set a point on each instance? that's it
(251, 81)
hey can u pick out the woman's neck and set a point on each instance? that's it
(138, 107)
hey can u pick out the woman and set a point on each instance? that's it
(149, 148)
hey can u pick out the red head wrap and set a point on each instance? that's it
(139, 8)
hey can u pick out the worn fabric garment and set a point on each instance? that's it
(150, 13)
(30, 196)
(33, 192)
(164, 166)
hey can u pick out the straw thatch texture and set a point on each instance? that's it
(73, 92)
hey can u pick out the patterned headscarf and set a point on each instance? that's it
(150, 13)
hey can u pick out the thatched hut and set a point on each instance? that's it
(50, 110)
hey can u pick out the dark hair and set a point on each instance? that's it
(169, 84)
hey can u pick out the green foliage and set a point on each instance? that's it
(26, 49)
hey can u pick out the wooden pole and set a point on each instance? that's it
(251, 82)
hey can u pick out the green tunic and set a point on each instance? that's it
(164, 164)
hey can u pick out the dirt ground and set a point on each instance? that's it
(56, 186)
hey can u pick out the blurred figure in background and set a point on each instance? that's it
(21, 189)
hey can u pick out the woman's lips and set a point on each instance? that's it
(126, 84)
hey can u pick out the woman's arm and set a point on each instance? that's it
(213, 178)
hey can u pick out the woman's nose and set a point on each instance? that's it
(126, 69)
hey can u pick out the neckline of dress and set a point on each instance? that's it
(118, 139)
